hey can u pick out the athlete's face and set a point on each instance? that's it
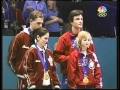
(37, 23)
(43, 40)
(85, 42)
(77, 21)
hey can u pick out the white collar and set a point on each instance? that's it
(40, 49)
(26, 31)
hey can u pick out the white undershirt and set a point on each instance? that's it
(46, 82)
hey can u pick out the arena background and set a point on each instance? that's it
(103, 31)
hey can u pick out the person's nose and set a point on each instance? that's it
(81, 21)
(47, 41)
(40, 25)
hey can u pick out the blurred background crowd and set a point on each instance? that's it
(16, 12)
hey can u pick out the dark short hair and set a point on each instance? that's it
(74, 13)
(40, 31)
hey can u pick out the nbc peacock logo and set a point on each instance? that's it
(102, 11)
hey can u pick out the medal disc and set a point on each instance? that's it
(46, 76)
(85, 80)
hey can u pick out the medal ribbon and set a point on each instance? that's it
(85, 63)
(41, 57)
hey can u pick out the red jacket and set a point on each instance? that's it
(34, 69)
(75, 70)
(64, 48)
(20, 44)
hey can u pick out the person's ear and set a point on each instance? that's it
(71, 23)
(38, 37)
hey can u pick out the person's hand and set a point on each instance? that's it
(32, 87)
(50, 60)
(98, 86)
(55, 18)
(60, 20)
(21, 76)
(56, 87)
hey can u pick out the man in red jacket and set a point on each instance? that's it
(21, 43)
(67, 41)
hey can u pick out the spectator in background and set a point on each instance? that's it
(84, 71)
(17, 25)
(5, 13)
(67, 42)
(19, 9)
(12, 16)
(53, 22)
(31, 5)
(8, 11)
(21, 43)
(9, 16)
(12, 12)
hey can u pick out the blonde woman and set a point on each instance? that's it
(84, 70)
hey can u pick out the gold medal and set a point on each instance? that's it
(85, 80)
(46, 76)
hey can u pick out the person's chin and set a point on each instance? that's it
(81, 27)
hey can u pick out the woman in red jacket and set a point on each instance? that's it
(84, 70)
(38, 63)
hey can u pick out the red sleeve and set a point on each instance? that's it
(92, 48)
(59, 53)
(72, 69)
(98, 73)
(29, 68)
(15, 47)
(17, 51)
(53, 74)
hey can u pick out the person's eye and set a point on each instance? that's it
(84, 40)
(89, 39)
(77, 18)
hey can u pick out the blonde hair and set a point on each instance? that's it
(83, 35)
